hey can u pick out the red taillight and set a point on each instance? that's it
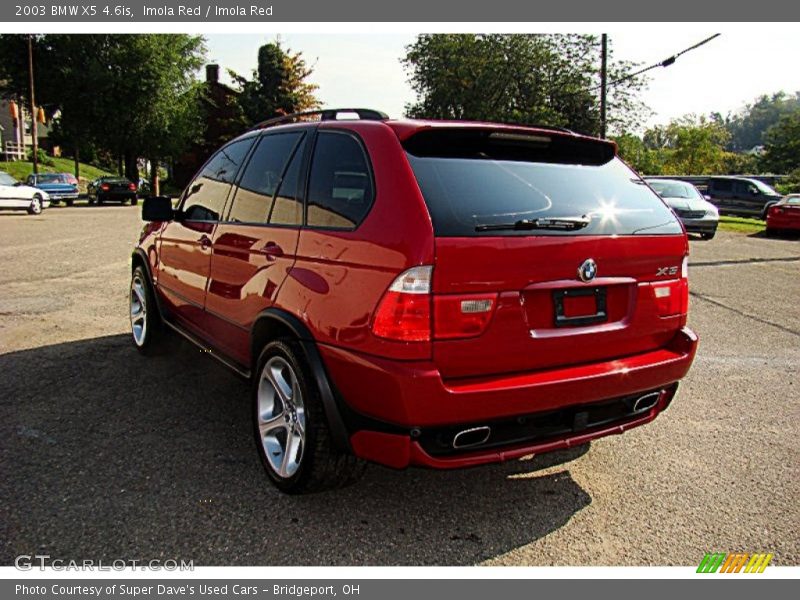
(132, 187)
(462, 316)
(672, 297)
(105, 187)
(404, 312)
(775, 210)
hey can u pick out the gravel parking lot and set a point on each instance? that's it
(107, 455)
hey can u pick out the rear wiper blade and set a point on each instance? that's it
(561, 223)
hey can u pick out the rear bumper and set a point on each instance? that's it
(784, 223)
(398, 399)
(116, 196)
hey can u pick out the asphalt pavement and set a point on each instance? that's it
(108, 455)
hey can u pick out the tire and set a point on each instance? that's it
(91, 201)
(134, 201)
(770, 232)
(36, 205)
(69, 202)
(147, 330)
(708, 235)
(288, 415)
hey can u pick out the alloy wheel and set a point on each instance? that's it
(281, 417)
(138, 310)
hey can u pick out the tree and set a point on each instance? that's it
(278, 85)
(131, 95)
(546, 79)
(695, 147)
(633, 150)
(749, 127)
(782, 145)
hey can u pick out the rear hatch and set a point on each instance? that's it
(549, 251)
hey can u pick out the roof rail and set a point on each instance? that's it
(325, 114)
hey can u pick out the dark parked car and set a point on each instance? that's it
(741, 196)
(697, 214)
(430, 293)
(61, 187)
(112, 189)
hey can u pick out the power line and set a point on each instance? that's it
(664, 63)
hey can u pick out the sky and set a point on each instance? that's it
(364, 70)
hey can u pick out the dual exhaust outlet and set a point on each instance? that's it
(476, 436)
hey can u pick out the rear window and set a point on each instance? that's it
(674, 189)
(492, 182)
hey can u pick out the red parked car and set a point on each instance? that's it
(439, 294)
(784, 215)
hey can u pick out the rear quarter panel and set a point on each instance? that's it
(340, 276)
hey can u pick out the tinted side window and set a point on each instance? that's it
(205, 197)
(722, 186)
(340, 189)
(287, 209)
(261, 178)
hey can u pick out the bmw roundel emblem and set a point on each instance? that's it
(588, 270)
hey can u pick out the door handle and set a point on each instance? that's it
(205, 242)
(272, 250)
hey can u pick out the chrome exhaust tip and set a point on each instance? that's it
(474, 436)
(646, 402)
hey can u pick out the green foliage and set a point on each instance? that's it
(41, 157)
(633, 150)
(277, 86)
(548, 79)
(790, 185)
(748, 128)
(782, 145)
(128, 95)
(686, 146)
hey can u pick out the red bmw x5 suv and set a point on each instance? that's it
(440, 294)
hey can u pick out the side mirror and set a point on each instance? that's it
(158, 208)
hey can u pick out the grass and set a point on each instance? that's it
(20, 169)
(741, 224)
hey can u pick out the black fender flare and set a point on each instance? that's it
(330, 403)
(143, 256)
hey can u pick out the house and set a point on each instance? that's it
(223, 120)
(16, 138)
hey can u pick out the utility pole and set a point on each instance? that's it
(603, 83)
(34, 113)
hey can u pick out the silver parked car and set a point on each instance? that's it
(697, 214)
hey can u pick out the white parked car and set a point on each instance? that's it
(15, 195)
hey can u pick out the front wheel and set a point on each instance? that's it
(146, 327)
(36, 205)
(69, 202)
(291, 429)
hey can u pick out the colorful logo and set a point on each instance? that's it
(734, 563)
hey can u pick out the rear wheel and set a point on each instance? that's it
(290, 427)
(36, 205)
(69, 202)
(134, 201)
(770, 232)
(708, 235)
